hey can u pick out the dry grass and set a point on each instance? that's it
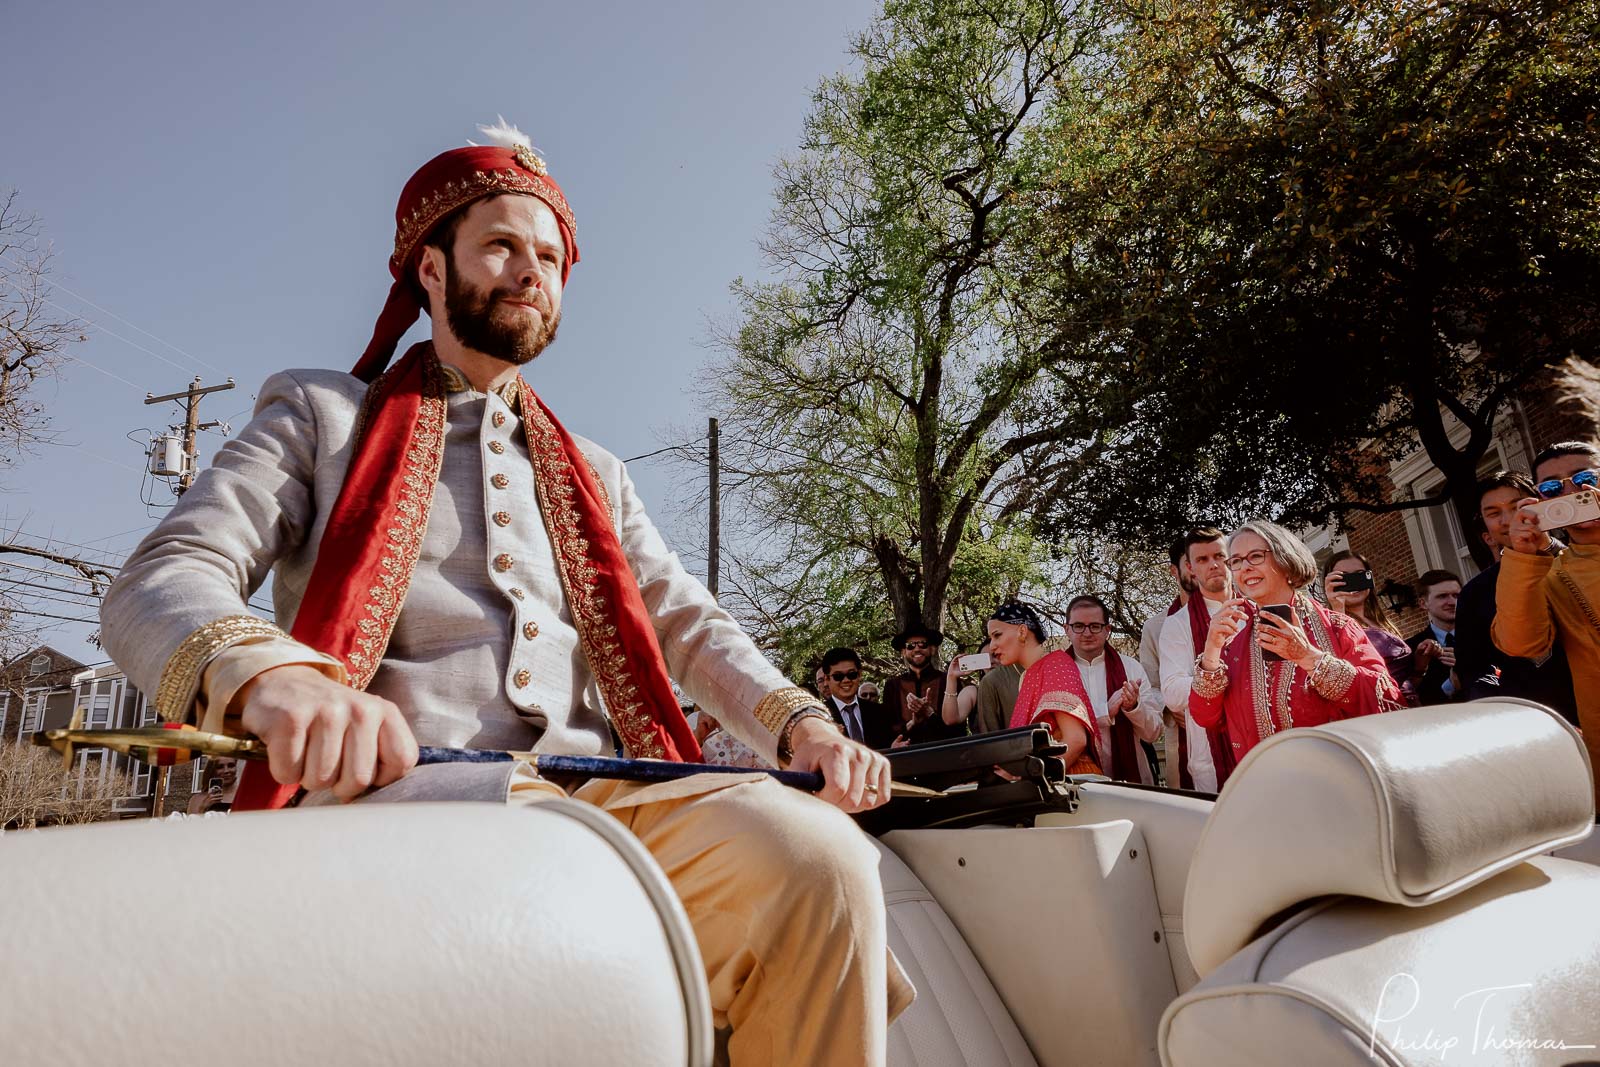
(35, 790)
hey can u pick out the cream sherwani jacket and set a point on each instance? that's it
(483, 653)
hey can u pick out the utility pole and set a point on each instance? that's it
(713, 555)
(191, 424)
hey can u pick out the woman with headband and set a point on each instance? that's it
(1016, 635)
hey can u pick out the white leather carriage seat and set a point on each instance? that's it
(1063, 921)
(1377, 891)
(379, 934)
(957, 1019)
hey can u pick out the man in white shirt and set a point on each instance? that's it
(1150, 660)
(1204, 554)
(1134, 701)
(1435, 646)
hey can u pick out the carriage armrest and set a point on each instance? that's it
(371, 934)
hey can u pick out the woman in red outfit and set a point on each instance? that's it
(1050, 692)
(1259, 673)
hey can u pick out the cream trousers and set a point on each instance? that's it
(781, 888)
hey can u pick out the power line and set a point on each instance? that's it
(107, 311)
(113, 333)
(18, 582)
(47, 543)
(48, 615)
(113, 537)
(103, 459)
(30, 597)
(105, 565)
(57, 574)
(102, 370)
(657, 452)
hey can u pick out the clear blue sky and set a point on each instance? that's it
(224, 177)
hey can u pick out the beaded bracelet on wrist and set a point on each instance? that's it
(786, 735)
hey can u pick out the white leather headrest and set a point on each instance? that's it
(1408, 807)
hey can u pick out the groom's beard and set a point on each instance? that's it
(483, 322)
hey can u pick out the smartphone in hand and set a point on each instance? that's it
(1284, 612)
(974, 661)
(1567, 510)
(1354, 581)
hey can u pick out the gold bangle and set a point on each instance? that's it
(1332, 677)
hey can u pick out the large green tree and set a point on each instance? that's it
(1341, 229)
(872, 394)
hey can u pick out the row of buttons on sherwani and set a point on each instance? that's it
(510, 486)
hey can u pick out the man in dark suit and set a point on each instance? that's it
(861, 720)
(1484, 670)
(1435, 646)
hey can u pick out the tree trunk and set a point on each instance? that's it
(900, 581)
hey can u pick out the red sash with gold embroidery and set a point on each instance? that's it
(370, 547)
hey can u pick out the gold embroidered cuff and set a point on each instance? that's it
(776, 708)
(180, 678)
(1209, 684)
(1333, 677)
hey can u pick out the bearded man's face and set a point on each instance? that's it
(497, 321)
(502, 268)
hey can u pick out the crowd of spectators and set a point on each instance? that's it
(1258, 638)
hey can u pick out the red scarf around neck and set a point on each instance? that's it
(1221, 751)
(373, 538)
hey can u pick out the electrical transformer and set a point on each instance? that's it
(167, 458)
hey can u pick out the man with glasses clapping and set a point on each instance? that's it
(1127, 708)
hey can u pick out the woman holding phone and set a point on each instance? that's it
(1349, 586)
(1274, 658)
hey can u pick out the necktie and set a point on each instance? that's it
(1450, 639)
(852, 721)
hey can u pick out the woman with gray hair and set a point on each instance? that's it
(1274, 658)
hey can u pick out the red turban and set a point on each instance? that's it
(444, 184)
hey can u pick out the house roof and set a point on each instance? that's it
(67, 663)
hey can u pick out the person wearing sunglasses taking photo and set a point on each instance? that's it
(1274, 658)
(1548, 593)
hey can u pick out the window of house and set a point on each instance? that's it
(1438, 539)
(1444, 541)
(38, 665)
(32, 712)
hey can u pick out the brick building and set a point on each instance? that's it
(1402, 545)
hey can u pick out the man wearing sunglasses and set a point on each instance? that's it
(1548, 593)
(861, 719)
(916, 698)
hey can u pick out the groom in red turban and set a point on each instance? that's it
(453, 568)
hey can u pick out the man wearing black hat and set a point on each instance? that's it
(916, 697)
